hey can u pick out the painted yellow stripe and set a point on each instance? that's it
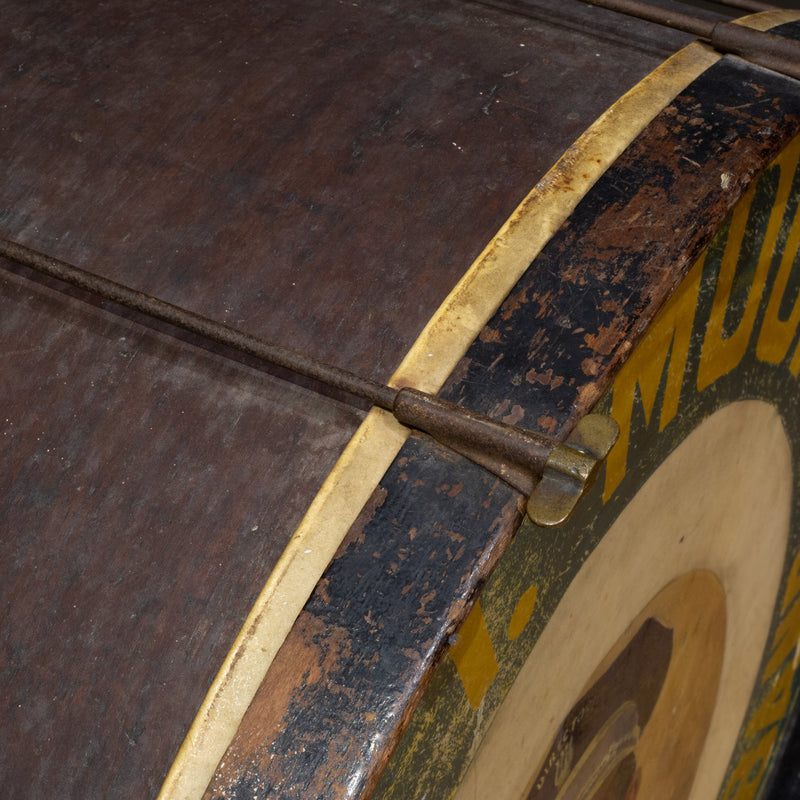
(432, 358)
(765, 20)
(473, 655)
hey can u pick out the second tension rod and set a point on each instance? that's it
(760, 47)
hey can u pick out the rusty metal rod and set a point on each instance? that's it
(671, 19)
(746, 5)
(202, 326)
(765, 49)
(494, 443)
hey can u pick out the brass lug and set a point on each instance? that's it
(571, 469)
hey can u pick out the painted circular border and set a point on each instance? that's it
(719, 459)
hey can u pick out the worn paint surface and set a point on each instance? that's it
(563, 332)
(341, 686)
(129, 470)
(597, 285)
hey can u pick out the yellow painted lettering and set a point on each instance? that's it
(522, 613)
(795, 365)
(786, 638)
(672, 328)
(746, 777)
(788, 633)
(745, 780)
(720, 353)
(474, 656)
(792, 585)
(774, 706)
(776, 334)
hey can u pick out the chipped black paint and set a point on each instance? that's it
(592, 291)
(382, 615)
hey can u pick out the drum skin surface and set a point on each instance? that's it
(323, 180)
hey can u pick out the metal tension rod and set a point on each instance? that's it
(517, 456)
(746, 5)
(765, 49)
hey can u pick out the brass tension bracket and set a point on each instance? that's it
(553, 475)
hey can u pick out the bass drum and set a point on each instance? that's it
(221, 580)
